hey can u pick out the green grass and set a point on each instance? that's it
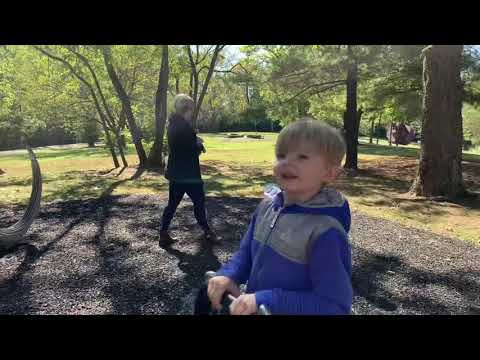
(242, 167)
(410, 150)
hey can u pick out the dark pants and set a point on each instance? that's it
(175, 195)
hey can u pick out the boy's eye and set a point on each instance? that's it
(280, 156)
(303, 156)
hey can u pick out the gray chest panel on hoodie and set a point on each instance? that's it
(292, 235)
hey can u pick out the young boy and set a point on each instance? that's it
(295, 255)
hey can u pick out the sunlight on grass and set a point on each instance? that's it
(241, 167)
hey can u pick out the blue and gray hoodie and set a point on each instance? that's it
(296, 259)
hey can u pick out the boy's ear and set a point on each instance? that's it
(333, 173)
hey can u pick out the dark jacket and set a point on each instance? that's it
(183, 163)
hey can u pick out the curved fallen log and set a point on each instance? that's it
(13, 234)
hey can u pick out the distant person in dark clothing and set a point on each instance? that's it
(183, 169)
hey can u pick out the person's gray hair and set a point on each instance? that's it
(183, 103)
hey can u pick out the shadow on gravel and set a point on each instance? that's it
(375, 276)
(134, 286)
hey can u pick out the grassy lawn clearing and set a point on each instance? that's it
(241, 167)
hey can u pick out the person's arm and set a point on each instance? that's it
(332, 292)
(200, 146)
(239, 266)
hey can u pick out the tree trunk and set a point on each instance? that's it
(190, 90)
(155, 156)
(372, 127)
(350, 117)
(125, 100)
(440, 167)
(390, 135)
(107, 133)
(115, 128)
(122, 119)
(110, 146)
(198, 103)
(118, 137)
(357, 124)
(103, 119)
(378, 126)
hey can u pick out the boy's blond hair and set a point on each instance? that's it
(325, 138)
(183, 103)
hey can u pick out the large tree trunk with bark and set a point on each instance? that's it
(125, 100)
(351, 116)
(440, 168)
(155, 156)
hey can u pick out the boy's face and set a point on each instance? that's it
(302, 171)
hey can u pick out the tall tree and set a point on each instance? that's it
(104, 120)
(440, 168)
(115, 125)
(196, 63)
(126, 105)
(155, 156)
(351, 116)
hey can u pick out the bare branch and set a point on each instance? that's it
(79, 77)
(190, 57)
(97, 84)
(332, 85)
(202, 68)
(230, 71)
(205, 55)
(213, 61)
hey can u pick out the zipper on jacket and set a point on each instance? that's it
(274, 221)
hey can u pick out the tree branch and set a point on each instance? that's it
(190, 57)
(333, 84)
(217, 50)
(193, 75)
(202, 68)
(79, 77)
(205, 55)
(97, 84)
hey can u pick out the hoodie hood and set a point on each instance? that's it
(328, 201)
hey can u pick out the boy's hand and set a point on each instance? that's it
(217, 286)
(244, 305)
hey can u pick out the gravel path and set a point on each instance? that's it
(102, 257)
